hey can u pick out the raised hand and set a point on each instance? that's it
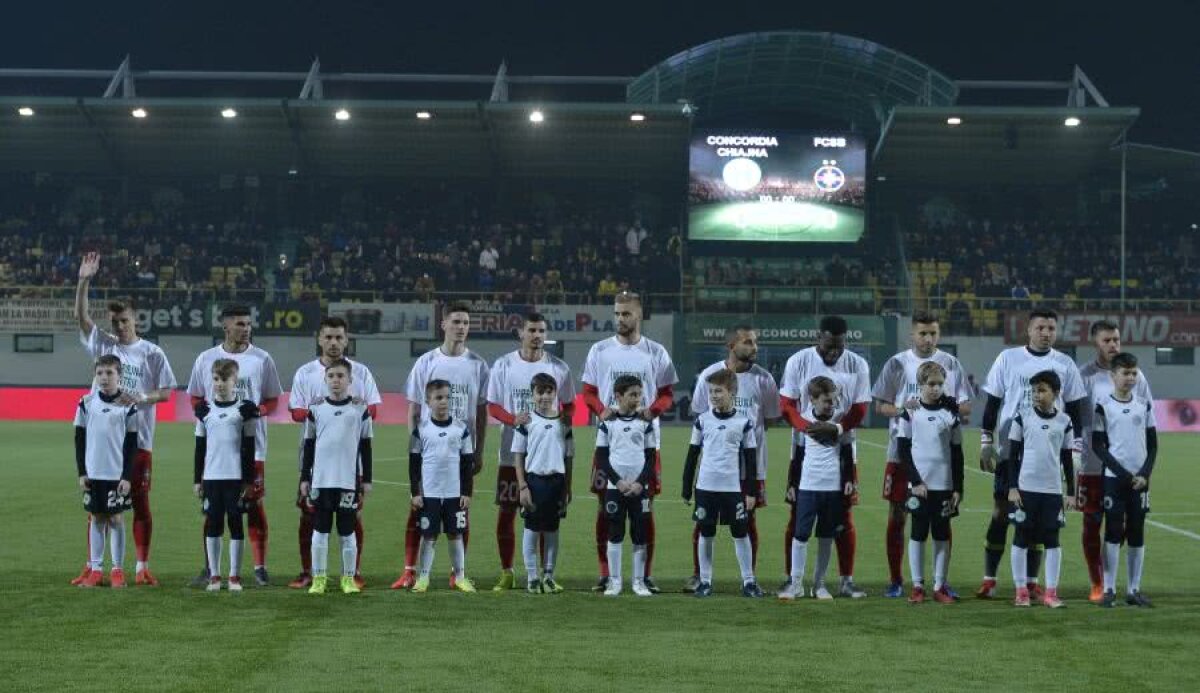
(89, 266)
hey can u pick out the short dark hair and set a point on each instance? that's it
(1047, 313)
(225, 367)
(925, 317)
(107, 360)
(723, 377)
(1124, 360)
(339, 363)
(333, 321)
(821, 385)
(1049, 378)
(457, 307)
(834, 325)
(624, 382)
(731, 333)
(534, 316)
(436, 384)
(236, 310)
(628, 297)
(120, 305)
(1103, 325)
(543, 382)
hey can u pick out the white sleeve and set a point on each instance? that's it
(651, 439)
(201, 431)
(697, 434)
(368, 428)
(495, 389)
(769, 397)
(566, 385)
(414, 387)
(569, 445)
(904, 426)
(95, 341)
(414, 442)
(996, 377)
(484, 374)
(160, 370)
(700, 397)
(468, 445)
(862, 384)
(520, 442)
(1071, 434)
(299, 397)
(1151, 422)
(310, 426)
(1073, 389)
(271, 387)
(1099, 421)
(197, 380)
(962, 387)
(749, 440)
(131, 419)
(602, 435)
(790, 387)
(370, 388)
(665, 374)
(1015, 431)
(80, 414)
(590, 368)
(891, 379)
(956, 433)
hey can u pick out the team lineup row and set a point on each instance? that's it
(628, 381)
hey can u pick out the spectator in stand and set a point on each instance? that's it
(425, 288)
(489, 258)
(606, 289)
(634, 239)
(1019, 290)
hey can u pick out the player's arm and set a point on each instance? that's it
(795, 466)
(308, 460)
(591, 397)
(81, 451)
(1074, 410)
(749, 460)
(647, 474)
(689, 471)
(1068, 465)
(198, 457)
(481, 426)
(958, 467)
(249, 413)
(87, 269)
(888, 409)
(414, 470)
(1151, 453)
(987, 429)
(128, 451)
(501, 414)
(366, 457)
(791, 412)
(853, 418)
(272, 388)
(1016, 455)
(568, 462)
(466, 474)
(904, 449)
(663, 399)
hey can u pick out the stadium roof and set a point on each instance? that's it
(997, 145)
(843, 78)
(463, 139)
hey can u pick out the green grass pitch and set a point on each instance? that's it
(775, 221)
(173, 638)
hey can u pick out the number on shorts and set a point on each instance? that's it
(460, 519)
(887, 484)
(347, 502)
(645, 505)
(1144, 498)
(947, 509)
(599, 481)
(739, 511)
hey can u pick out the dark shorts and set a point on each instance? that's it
(306, 505)
(825, 509)
(936, 505)
(222, 497)
(1039, 512)
(1120, 499)
(508, 491)
(547, 495)
(618, 507)
(599, 483)
(102, 498)
(440, 515)
(334, 500)
(721, 508)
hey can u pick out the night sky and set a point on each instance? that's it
(1142, 54)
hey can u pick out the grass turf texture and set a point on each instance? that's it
(775, 221)
(174, 638)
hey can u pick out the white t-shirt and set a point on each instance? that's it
(822, 466)
(851, 373)
(609, 359)
(897, 384)
(932, 430)
(627, 440)
(509, 387)
(223, 428)
(258, 380)
(441, 447)
(757, 396)
(308, 387)
(337, 428)
(106, 424)
(1126, 424)
(546, 443)
(1009, 377)
(722, 437)
(466, 373)
(488, 258)
(144, 368)
(1045, 437)
(1097, 381)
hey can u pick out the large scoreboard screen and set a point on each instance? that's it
(777, 186)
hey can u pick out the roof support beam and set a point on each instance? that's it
(122, 78)
(313, 87)
(500, 86)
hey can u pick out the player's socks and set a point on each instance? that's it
(349, 554)
(752, 533)
(359, 537)
(96, 543)
(997, 537)
(506, 540)
(824, 553)
(1034, 563)
(236, 548)
(1019, 558)
(847, 545)
(529, 544)
(706, 559)
(425, 559)
(143, 528)
(895, 548)
(1053, 567)
(412, 541)
(916, 560)
(695, 549)
(212, 549)
(1135, 557)
(1112, 557)
(458, 557)
(116, 542)
(256, 518)
(639, 563)
(941, 563)
(1093, 553)
(798, 555)
(613, 551)
(305, 534)
(649, 517)
(550, 553)
(745, 558)
(602, 541)
(320, 553)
